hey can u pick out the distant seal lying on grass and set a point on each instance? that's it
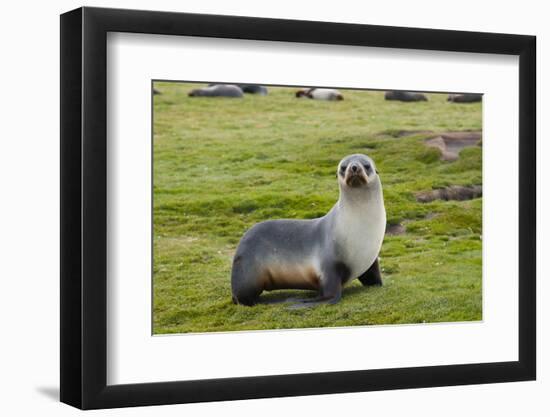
(320, 254)
(320, 94)
(217, 90)
(404, 96)
(464, 98)
(254, 89)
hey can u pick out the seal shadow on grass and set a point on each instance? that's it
(289, 296)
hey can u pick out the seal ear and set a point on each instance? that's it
(376, 171)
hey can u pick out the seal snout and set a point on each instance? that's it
(356, 175)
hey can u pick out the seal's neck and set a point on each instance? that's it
(361, 198)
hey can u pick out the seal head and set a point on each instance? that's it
(354, 170)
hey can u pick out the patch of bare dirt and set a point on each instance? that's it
(395, 229)
(454, 192)
(451, 143)
(403, 133)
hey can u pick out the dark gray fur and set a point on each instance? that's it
(218, 90)
(465, 98)
(254, 89)
(405, 96)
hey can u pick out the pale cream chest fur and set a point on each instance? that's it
(359, 232)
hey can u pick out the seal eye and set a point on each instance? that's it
(367, 167)
(343, 168)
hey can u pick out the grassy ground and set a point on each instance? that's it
(221, 165)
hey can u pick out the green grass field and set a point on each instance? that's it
(221, 165)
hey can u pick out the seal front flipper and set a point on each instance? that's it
(372, 276)
(331, 288)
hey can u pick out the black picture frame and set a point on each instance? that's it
(84, 207)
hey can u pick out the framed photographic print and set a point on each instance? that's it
(257, 207)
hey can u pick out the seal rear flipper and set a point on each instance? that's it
(243, 287)
(372, 276)
(246, 299)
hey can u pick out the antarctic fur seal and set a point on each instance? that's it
(217, 90)
(254, 89)
(404, 96)
(320, 254)
(464, 98)
(320, 94)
